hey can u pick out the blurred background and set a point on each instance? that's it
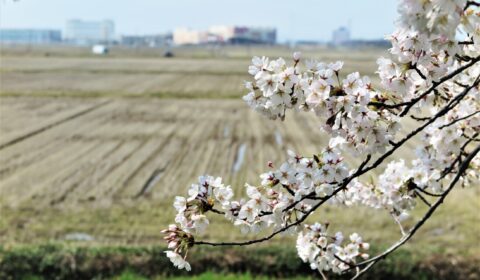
(108, 109)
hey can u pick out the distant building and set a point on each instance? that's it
(379, 43)
(308, 43)
(253, 35)
(185, 36)
(159, 40)
(226, 34)
(30, 36)
(340, 36)
(89, 32)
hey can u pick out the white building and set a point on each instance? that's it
(89, 32)
(185, 36)
(30, 36)
(340, 36)
(225, 34)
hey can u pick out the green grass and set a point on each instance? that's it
(128, 275)
(57, 261)
(452, 230)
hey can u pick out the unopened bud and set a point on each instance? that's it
(365, 246)
(297, 56)
(172, 244)
(364, 256)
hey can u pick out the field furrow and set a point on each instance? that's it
(85, 148)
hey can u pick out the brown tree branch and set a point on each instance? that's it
(471, 3)
(419, 224)
(359, 172)
(459, 119)
(436, 84)
(409, 104)
(458, 158)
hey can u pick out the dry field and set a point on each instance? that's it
(108, 167)
(133, 76)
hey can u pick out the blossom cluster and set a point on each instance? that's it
(325, 252)
(433, 16)
(266, 205)
(425, 47)
(394, 191)
(342, 105)
(178, 242)
(201, 198)
(399, 185)
(434, 39)
(446, 139)
(442, 143)
(270, 203)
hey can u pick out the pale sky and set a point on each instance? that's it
(294, 19)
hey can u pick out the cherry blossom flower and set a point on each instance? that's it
(428, 71)
(178, 261)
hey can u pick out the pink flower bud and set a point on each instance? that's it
(172, 244)
(365, 246)
(364, 256)
(297, 56)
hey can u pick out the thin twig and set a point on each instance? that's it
(420, 223)
(359, 172)
(402, 230)
(419, 72)
(436, 84)
(471, 3)
(217, 211)
(427, 192)
(422, 119)
(409, 104)
(459, 119)
(457, 159)
(324, 277)
(351, 265)
(288, 190)
(423, 199)
(439, 114)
